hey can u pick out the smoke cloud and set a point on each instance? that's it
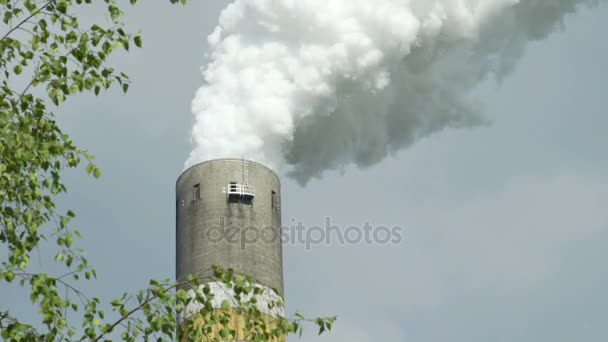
(308, 86)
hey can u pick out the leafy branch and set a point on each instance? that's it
(32, 14)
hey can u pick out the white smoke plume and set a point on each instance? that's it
(310, 85)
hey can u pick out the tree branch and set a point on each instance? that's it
(134, 310)
(27, 18)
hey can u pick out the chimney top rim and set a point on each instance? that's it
(240, 160)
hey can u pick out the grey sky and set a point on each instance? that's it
(505, 226)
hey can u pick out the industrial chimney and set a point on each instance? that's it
(228, 213)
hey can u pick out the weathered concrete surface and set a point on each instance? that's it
(210, 230)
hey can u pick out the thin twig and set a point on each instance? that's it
(26, 30)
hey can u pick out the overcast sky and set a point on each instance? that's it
(505, 226)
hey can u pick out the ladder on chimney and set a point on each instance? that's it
(245, 172)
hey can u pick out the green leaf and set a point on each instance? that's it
(225, 305)
(63, 221)
(68, 240)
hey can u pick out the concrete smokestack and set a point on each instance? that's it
(228, 213)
